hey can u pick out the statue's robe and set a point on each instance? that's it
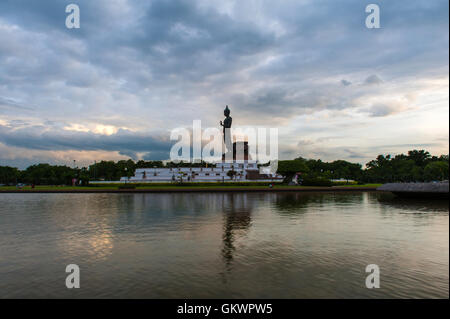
(227, 134)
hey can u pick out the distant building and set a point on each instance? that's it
(243, 171)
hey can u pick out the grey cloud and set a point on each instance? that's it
(130, 154)
(155, 156)
(287, 101)
(354, 154)
(381, 110)
(13, 103)
(373, 79)
(412, 145)
(40, 138)
(305, 142)
(345, 82)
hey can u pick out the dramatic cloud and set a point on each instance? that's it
(40, 138)
(136, 69)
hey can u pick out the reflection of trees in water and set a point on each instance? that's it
(237, 220)
(299, 203)
(294, 203)
(417, 205)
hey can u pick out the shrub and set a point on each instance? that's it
(317, 181)
(128, 186)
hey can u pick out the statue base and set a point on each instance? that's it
(240, 152)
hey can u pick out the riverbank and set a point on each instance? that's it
(189, 189)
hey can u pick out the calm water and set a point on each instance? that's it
(254, 245)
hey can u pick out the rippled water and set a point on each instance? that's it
(227, 245)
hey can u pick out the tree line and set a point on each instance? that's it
(46, 174)
(415, 166)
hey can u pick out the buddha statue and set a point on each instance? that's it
(226, 128)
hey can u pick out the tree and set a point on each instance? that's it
(419, 157)
(406, 168)
(149, 164)
(83, 176)
(9, 175)
(109, 170)
(346, 170)
(436, 171)
(231, 174)
(443, 158)
(289, 168)
(46, 174)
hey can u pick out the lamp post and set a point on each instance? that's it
(126, 172)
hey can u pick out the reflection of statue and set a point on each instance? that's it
(237, 214)
(226, 129)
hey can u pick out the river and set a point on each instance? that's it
(223, 245)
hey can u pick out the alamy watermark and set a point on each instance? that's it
(73, 279)
(230, 144)
(373, 279)
(73, 19)
(373, 18)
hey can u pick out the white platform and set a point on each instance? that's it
(197, 174)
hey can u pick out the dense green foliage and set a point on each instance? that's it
(318, 173)
(289, 168)
(9, 175)
(47, 174)
(111, 171)
(417, 165)
(44, 174)
(316, 181)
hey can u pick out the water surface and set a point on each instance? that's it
(223, 245)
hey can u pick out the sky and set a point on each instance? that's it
(114, 88)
